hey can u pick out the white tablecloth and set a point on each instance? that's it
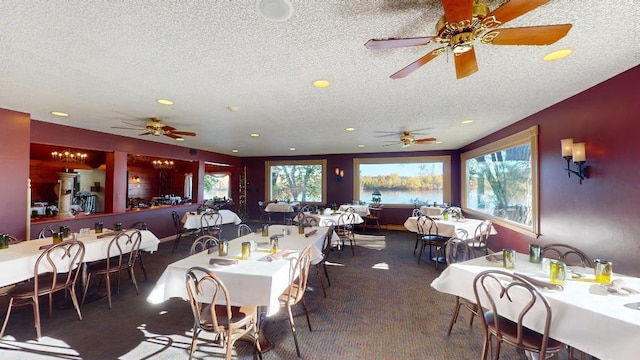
(250, 282)
(431, 210)
(16, 262)
(319, 217)
(191, 220)
(362, 210)
(584, 316)
(447, 228)
(281, 207)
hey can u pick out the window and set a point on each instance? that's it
(500, 182)
(216, 186)
(300, 181)
(403, 181)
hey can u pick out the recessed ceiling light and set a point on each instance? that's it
(558, 54)
(233, 108)
(438, 142)
(276, 10)
(349, 129)
(234, 150)
(164, 102)
(292, 148)
(321, 84)
(179, 139)
(59, 113)
(360, 145)
(255, 135)
(466, 121)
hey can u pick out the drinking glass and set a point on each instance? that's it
(557, 271)
(223, 248)
(246, 250)
(508, 258)
(603, 270)
(57, 237)
(98, 228)
(535, 253)
(117, 227)
(4, 241)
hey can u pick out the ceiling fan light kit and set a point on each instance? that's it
(463, 22)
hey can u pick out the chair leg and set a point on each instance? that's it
(144, 271)
(108, 279)
(304, 306)
(424, 243)
(133, 278)
(415, 247)
(293, 329)
(352, 241)
(456, 311)
(326, 273)
(176, 241)
(6, 318)
(36, 316)
(74, 299)
(324, 291)
(193, 340)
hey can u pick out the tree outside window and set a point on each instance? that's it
(300, 181)
(216, 186)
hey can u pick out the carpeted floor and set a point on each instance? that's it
(379, 306)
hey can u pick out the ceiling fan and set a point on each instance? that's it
(155, 126)
(407, 138)
(463, 22)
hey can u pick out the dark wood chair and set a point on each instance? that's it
(428, 236)
(374, 216)
(141, 225)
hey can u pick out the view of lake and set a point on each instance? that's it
(404, 197)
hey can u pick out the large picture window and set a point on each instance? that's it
(500, 181)
(406, 181)
(298, 181)
(216, 186)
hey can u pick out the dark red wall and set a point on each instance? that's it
(599, 216)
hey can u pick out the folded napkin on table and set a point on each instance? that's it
(282, 254)
(219, 261)
(494, 257)
(310, 233)
(541, 283)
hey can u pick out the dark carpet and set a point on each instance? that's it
(379, 306)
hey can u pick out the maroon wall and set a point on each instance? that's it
(342, 192)
(14, 160)
(598, 216)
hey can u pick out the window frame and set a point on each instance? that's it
(267, 176)
(528, 136)
(446, 173)
(226, 173)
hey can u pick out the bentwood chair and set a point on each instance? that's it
(141, 225)
(344, 229)
(374, 216)
(481, 236)
(122, 253)
(294, 294)
(180, 230)
(244, 229)
(47, 231)
(263, 213)
(203, 243)
(567, 254)
(56, 269)
(458, 250)
(210, 223)
(228, 323)
(416, 213)
(429, 236)
(501, 292)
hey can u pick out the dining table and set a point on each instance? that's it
(191, 220)
(585, 315)
(362, 210)
(449, 228)
(256, 281)
(282, 207)
(17, 262)
(431, 210)
(334, 216)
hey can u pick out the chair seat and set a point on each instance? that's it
(100, 266)
(45, 281)
(239, 315)
(292, 289)
(531, 340)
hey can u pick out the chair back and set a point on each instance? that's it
(345, 224)
(309, 221)
(123, 250)
(210, 223)
(46, 232)
(139, 225)
(350, 209)
(567, 254)
(205, 288)
(375, 212)
(62, 262)
(481, 234)
(244, 229)
(203, 243)
(326, 244)
(512, 302)
(416, 213)
(328, 222)
(427, 226)
(298, 275)
(176, 222)
(457, 250)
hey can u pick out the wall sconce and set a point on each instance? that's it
(136, 179)
(163, 164)
(339, 174)
(576, 152)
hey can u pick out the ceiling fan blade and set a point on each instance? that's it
(466, 64)
(424, 141)
(168, 128)
(145, 133)
(127, 128)
(531, 35)
(457, 10)
(512, 9)
(395, 143)
(185, 133)
(173, 136)
(383, 44)
(417, 64)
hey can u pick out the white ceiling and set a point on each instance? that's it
(108, 61)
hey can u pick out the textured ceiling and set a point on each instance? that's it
(105, 62)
